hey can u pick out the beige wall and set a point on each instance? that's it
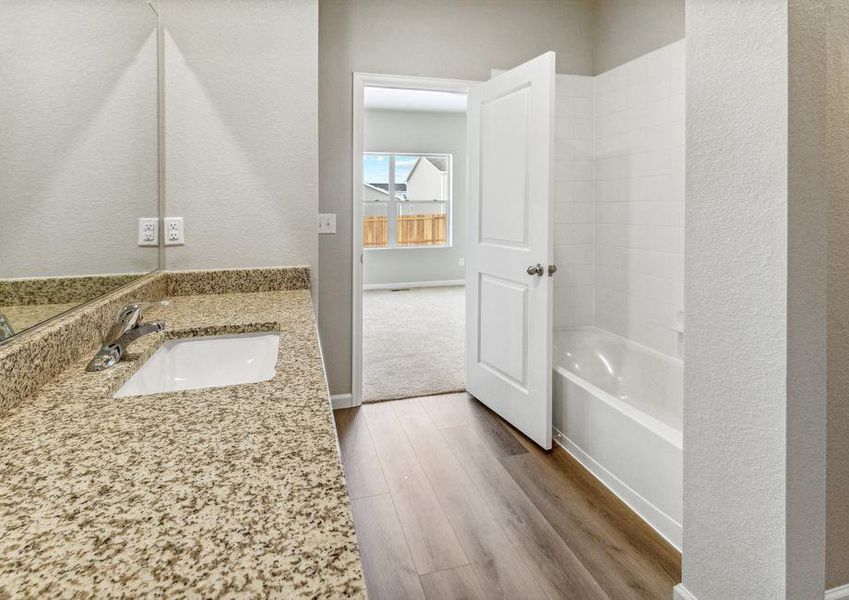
(837, 530)
(626, 29)
(78, 137)
(755, 343)
(410, 131)
(241, 123)
(460, 40)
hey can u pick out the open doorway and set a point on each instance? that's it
(410, 215)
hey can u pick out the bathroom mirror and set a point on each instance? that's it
(79, 147)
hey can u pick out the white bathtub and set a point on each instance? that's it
(617, 410)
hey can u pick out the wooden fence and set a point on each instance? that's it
(413, 230)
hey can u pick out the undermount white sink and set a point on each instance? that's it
(205, 362)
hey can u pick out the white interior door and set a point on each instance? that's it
(508, 285)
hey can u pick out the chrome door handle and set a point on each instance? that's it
(536, 269)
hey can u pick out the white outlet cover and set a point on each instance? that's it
(173, 231)
(327, 223)
(148, 231)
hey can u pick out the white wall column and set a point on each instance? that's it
(755, 350)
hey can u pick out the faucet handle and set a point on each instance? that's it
(129, 317)
(143, 306)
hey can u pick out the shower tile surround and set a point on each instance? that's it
(142, 504)
(619, 205)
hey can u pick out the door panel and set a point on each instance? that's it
(503, 329)
(504, 169)
(508, 309)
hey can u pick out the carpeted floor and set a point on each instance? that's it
(413, 342)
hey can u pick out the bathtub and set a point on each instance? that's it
(617, 410)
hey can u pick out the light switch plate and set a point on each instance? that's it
(327, 223)
(148, 231)
(174, 231)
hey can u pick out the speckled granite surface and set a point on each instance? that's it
(234, 491)
(181, 283)
(61, 290)
(24, 316)
(29, 360)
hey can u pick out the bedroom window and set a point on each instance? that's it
(406, 200)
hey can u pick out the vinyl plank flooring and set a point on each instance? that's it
(429, 534)
(623, 556)
(448, 410)
(359, 459)
(387, 563)
(458, 583)
(476, 510)
(498, 564)
(557, 569)
(455, 410)
(589, 516)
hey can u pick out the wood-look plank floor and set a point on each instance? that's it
(450, 502)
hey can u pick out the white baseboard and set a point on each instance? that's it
(838, 593)
(663, 524)
(679, 592)
(413, 284)
(341, 401)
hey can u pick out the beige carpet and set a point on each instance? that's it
(413, 342)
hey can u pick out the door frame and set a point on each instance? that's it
(360, 82)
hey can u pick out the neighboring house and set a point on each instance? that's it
(374, 198)
(400, 188)
(428, 179)
(427, 182)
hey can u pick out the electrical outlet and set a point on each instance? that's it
(148, 231)
(327, 223)
(174, 231)
(462, 262)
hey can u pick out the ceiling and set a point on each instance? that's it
(380, 98)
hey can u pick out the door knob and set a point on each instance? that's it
(536, 269)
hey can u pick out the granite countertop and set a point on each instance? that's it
(234, 491)
(24, 316)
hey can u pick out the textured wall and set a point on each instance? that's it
(806, 418)
(838, 295)
(410, 131)
(753, 418)
(450, 39)
(736, 249)
(639, 217)
(626, 29)
(78, 158)
(242, 132)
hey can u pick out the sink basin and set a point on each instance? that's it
(205, 362)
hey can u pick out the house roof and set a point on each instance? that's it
(376, 188)
(400, 186)
(441, 164)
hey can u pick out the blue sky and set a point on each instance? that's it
(376, 167)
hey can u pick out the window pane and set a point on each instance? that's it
(422, 223)
(375, 197)
(425, 177)
(375, 228)
(404, 163)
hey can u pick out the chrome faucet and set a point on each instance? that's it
(126, 329)
(6, 330)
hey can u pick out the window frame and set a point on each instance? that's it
(392, 204)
